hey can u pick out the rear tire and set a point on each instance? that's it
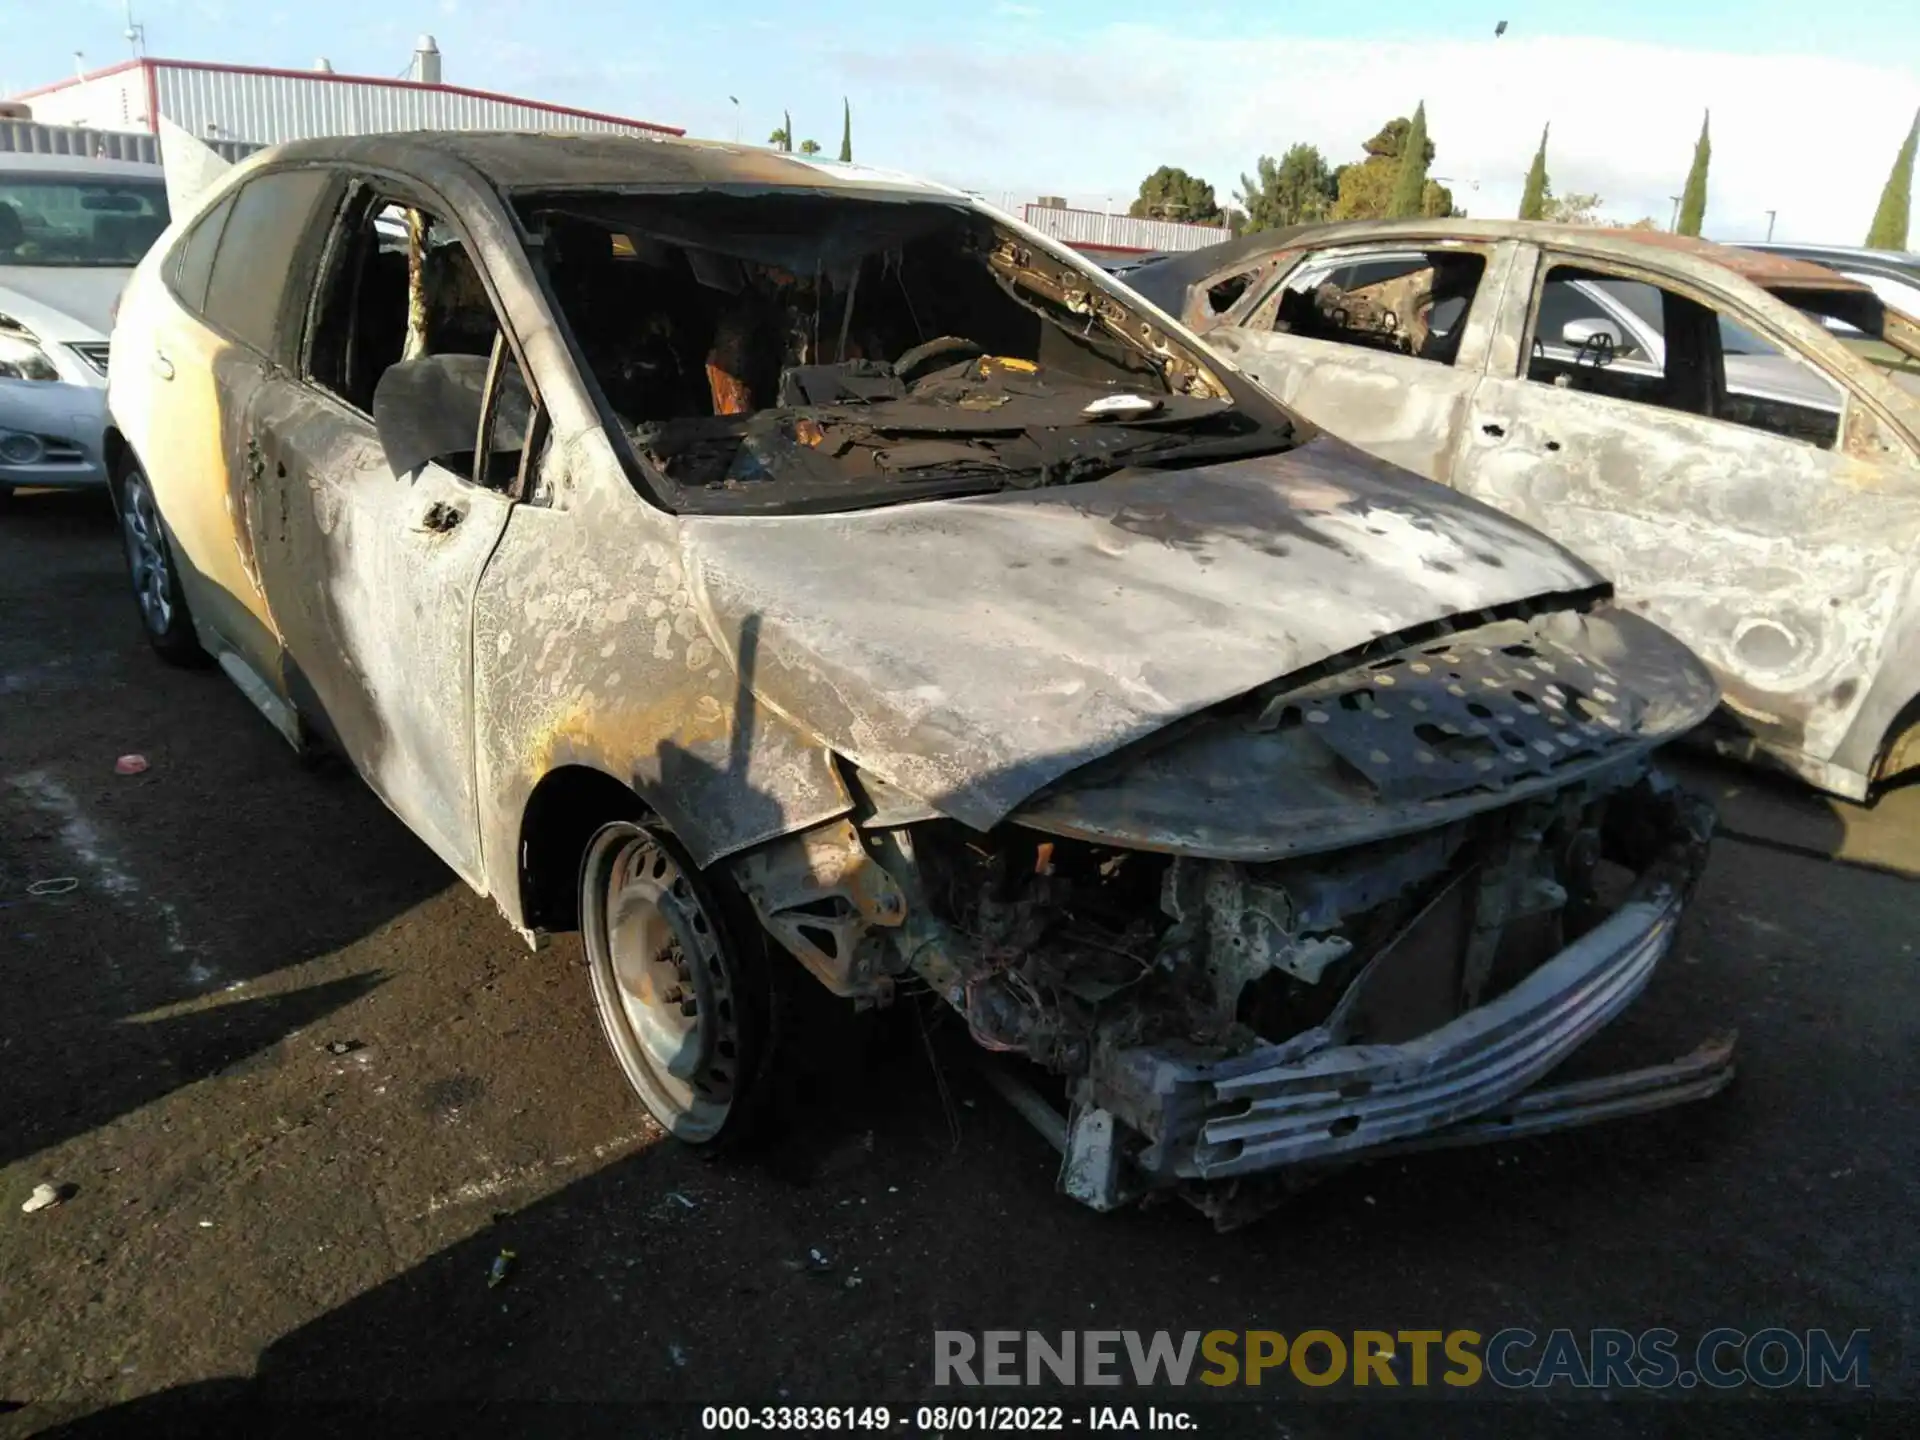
(687, 994)
(152, 569)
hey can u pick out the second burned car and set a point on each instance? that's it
(776, 569)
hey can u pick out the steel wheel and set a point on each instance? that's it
(683, 1010)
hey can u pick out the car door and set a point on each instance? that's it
(204, 334)
(1734, 517)
(1380, 344)
(371, 572)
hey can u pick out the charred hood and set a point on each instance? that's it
(976, 651)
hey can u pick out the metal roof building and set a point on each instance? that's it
(267, 107)
(1118, 236)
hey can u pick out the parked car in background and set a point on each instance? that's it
(774, 569)
(1733, 436)
(71, 231)
(1893, 275)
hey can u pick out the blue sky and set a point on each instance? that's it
(1018, 97)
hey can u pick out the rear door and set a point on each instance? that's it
(1730, 513)
(371, 573)
(206, 336)
(1380, 344)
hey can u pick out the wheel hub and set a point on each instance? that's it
(146, 554)
(667, 993)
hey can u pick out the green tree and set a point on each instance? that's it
(1533, 199)
(1571, 209)
(1693, 197)
(782, 139)
(1408, 200)
(1294, 190)
(809, 147)
(1365, 188)
(1170, 193)
(846, 130)
(1889, 228)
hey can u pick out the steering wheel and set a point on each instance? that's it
(947, 349)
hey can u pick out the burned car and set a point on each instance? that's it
(778, 569)
(1732, 437)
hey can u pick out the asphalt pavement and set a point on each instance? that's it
(299, 1089)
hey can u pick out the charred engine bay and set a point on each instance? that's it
(1059, 948)
(775, 350)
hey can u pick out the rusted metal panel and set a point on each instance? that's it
(1786, 567)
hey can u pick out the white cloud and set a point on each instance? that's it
(1807, 137)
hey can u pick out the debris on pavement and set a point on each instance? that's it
(675, 1195)
(130, 765)
(44, 1197)
(342, 1047)
(58, 885)
(501, 1268)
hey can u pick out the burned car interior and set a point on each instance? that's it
(764, 350)
(1412, 303)
(402, 288)
(1690, 376)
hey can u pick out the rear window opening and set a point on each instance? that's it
(761, 349)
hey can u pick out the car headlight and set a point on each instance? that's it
(21, 358)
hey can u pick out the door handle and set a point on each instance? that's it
(1496, 431)
(162, 366)
(441, 517)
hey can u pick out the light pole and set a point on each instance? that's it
(1770, 215)
(1674, 223)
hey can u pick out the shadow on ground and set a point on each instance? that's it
(184, 886)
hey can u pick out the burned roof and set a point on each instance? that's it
(533, 160)
(1166, 281)
(1767, 269)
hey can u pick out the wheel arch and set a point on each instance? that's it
(560, 816)
(114, 450)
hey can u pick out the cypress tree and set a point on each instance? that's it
(1410, 187)
(786, 122)
(1889, 228)
(1693, 199)
(1533, 199)
(846, 129)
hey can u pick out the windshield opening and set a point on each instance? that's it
(79, 220)
(1879, 335)
(764, 350)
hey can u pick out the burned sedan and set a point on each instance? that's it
(776, 569)
(1732, 437)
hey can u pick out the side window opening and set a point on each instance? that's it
(1634, 341)
(264, 258)
(1406, 303)
(1222, 295)
(192, 269)
(403, 327)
